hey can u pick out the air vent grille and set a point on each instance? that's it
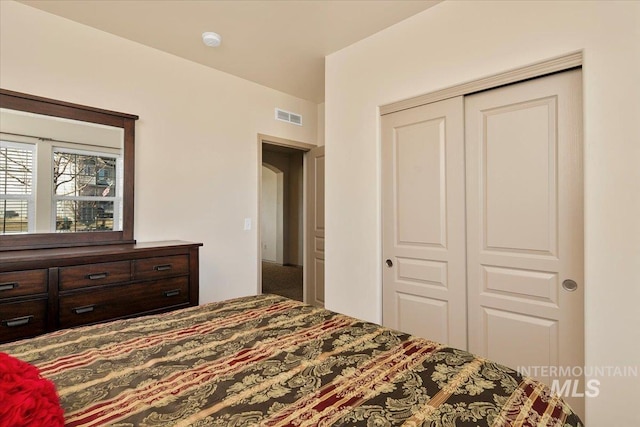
(296, 119)
(288, 117)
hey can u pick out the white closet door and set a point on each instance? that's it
(525, 223)
(315, 227)
(423, 222)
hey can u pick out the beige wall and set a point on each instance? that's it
(296, 209)
(270, 201)
(459, 41)
(321, 113)
(196, 151)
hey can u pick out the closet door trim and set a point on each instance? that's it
(538, 69)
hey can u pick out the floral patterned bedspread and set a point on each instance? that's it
(271, 361)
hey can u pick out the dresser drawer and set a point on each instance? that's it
(121, 301)
(81, 276)
(165, 266)
(18, 283)
(22, 319)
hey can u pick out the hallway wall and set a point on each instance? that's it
(291, 164)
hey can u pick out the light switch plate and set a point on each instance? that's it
(247, 224)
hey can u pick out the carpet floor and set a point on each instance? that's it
(282, 280)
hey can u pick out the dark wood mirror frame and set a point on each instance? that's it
(51, 107)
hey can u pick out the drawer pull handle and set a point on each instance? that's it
(164, 267)
(172, 293)
(97, 276)
(18, 321)
(8, 286)
(84, 309)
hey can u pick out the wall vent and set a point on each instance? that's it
(288, 117)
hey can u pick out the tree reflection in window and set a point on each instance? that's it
(85, 191)
(16, 187)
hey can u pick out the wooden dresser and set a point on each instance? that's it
(48, 289)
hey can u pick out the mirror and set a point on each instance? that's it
(66, 173)
(59, 175)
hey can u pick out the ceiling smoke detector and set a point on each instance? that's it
(211, 39)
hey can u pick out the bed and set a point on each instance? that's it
(270, 361)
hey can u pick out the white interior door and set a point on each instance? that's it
(423, 222)
(525, 224)
(315, 227)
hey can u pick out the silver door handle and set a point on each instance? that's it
(8, 286)
(18, 321)
(84, 309)
(569, 285)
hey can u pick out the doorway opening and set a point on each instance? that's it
(281, 220)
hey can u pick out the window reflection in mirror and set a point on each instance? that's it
(16, 187)
(59, 175)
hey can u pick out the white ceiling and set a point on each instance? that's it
(279, 44)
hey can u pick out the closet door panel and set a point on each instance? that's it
(519, 158)
(423, 222)
(525, 223)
